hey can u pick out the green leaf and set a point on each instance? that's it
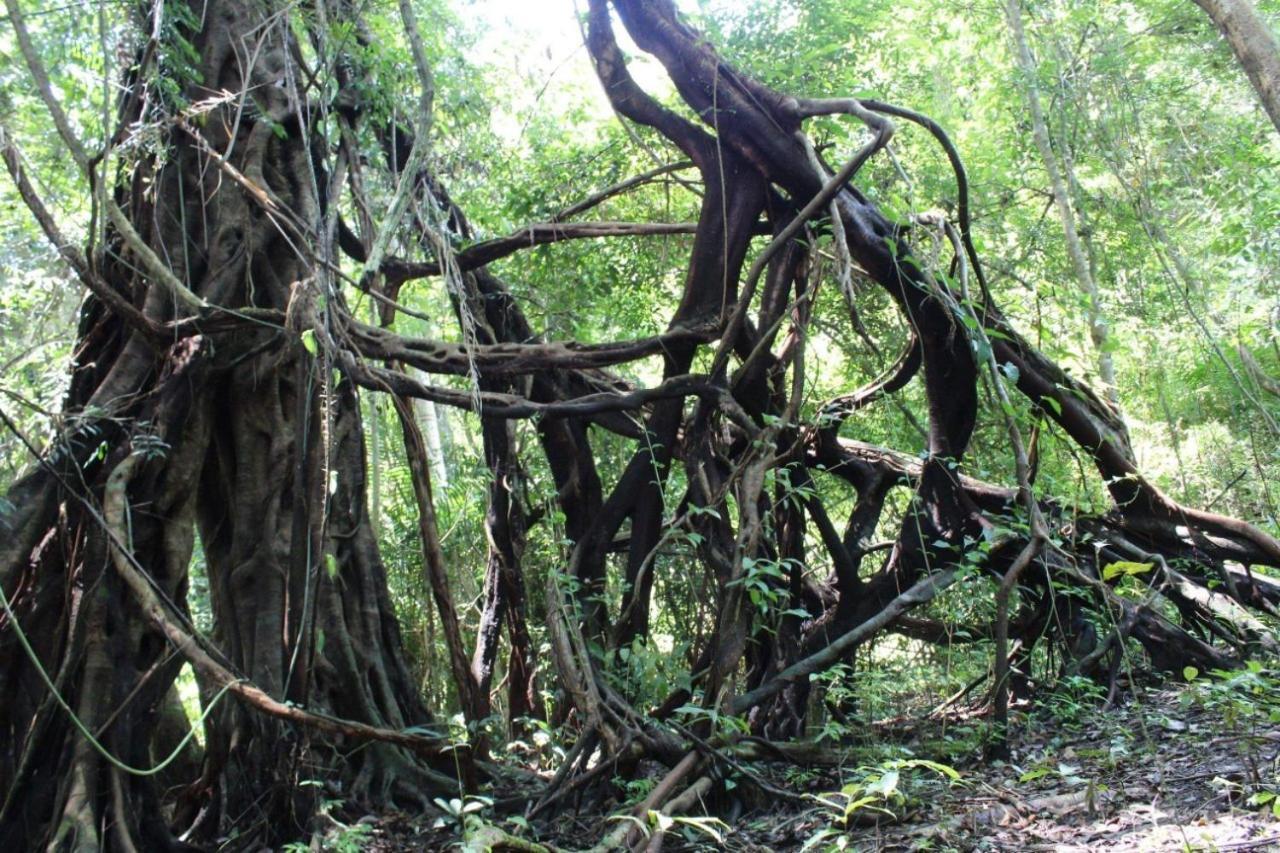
(860, 803)
(706, 825)
(1124, 567)
(936, 766)
(309, 341)
(886, 785)
(1190, 673)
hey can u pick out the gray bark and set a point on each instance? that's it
(1062, 201)
(1254, 43)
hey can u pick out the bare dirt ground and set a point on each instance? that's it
(1171, 769)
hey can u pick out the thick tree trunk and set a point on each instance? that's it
(1254, 43)
(242, 435)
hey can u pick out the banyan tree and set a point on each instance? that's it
(215, 405)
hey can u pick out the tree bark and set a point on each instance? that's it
(241, 435)
(1254, 43)
(1062, 201)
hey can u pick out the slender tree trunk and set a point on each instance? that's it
(1062, 201)
(1255, 46)
(430, 420)
(433, 564)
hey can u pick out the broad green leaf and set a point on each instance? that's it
(1124, 567)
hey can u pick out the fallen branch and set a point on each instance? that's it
(923, 592)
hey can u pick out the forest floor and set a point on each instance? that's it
(1175, 768)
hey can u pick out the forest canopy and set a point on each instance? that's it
(498, 412)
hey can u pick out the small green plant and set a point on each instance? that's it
(340, 837)
(722, 724)
(642, 670)
(1245, 701)
(540, 743)
(459, 812)
(1073, 700)
(636, 789)
(711, 827)
(882, 788)
(1267, 799)
(800, 777)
